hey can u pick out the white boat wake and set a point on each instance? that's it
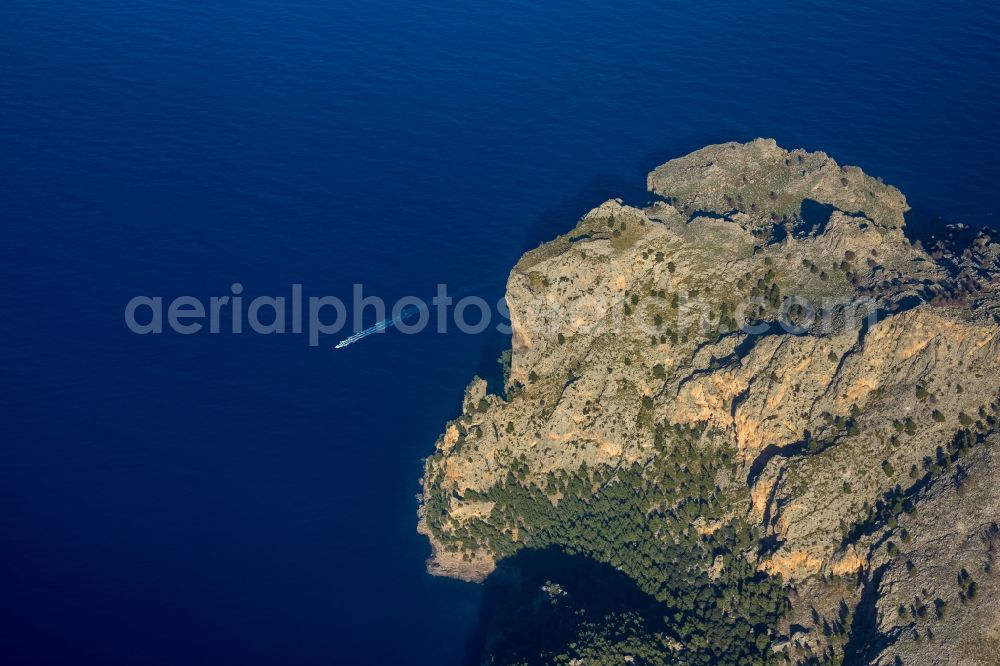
(383, 325)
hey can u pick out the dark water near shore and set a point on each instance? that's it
(241, 499)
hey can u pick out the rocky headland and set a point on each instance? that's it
(760, 404)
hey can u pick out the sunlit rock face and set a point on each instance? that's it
(760, 348)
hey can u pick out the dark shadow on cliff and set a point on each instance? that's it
(518, 619)
(864, 636)
(815, 216)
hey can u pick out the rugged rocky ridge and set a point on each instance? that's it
(760, 352)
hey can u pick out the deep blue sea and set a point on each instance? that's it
(248, 499)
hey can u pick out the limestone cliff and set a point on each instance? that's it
(763, 349)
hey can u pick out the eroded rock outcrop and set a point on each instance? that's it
(761, 350)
